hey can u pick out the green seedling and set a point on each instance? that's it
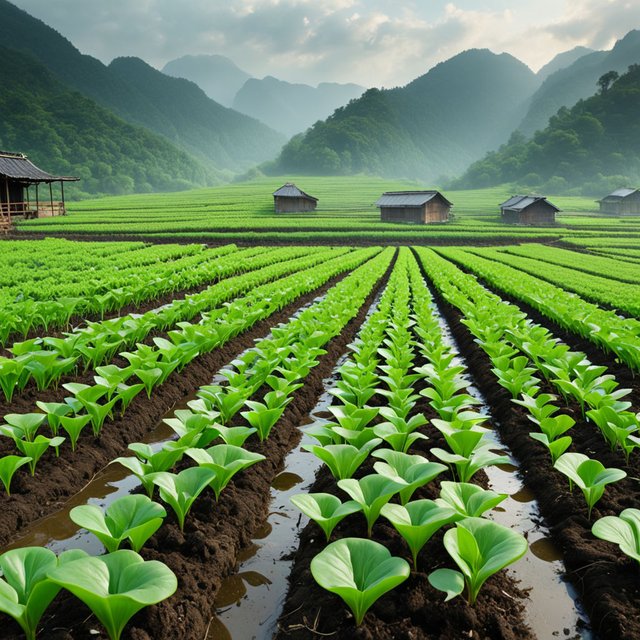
(371, 492)
(414, 470)
(8, 467)
(149, 377)
(350, 416)
(180, 490)
(262, 416)
(226, 400)
(225, 461)
(417, 521)
(54, 411)
(10, 371)
(538, 406)
(468, 500)
(514, 375)
(623, 530)
(343, 460)
(618, 428)
(355, 438)
(134, 517)
(359, 571)
(480, 548)
(37, 448)
(125, 395)
(25, 589)
(590, 475)
(22, 426)
(467, 466)
(556, 447)
(148, 461)
(324, 509)
(396, 438)
(73, 426)
(116, 586)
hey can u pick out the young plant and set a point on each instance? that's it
(54, 411)
(134, 517)
(22, 426)
(264, 415)
(414, 470)
(590, 475)
(417, 521)
(371, 492)
(180, 490)
(623, 530)
(73, 426)
(468, 500)
(148, 461)
(324, 509)
(8, 467)
(225, 461)
(480, 548)
(556, 447)
(36, 449)
(467, 466)
(343, 460)
(116, 586)
(25, 590)
(359, 571)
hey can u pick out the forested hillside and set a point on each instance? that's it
(218, 135)
(68, 134)
(434, 126)
(592, 148)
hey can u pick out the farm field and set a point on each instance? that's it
(243, 212)
(425, 418)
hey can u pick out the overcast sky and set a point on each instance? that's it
(371, 42)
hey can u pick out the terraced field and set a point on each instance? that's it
(254, 440)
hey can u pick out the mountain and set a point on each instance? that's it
(568, 85)
(434, 126)
(69, 134)
(219, 135)
(144, 97)
(592, 148)
(561, 61)
(292, 108)
(219, 77)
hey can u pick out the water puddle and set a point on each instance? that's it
(553, 609)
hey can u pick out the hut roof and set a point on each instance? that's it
(519, 203)
(392, 199)
(19, 167)
(289, 190)
(619, 194)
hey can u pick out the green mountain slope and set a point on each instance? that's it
(68, 134)
(219, 77)
(434, 126)
(148, 98)
(568, 85)
(222, 136)
(291, 107)
(592, 148)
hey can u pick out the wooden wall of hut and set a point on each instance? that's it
(293, 205)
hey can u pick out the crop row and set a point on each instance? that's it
(279, 361)
(47, 359)
(605, 328)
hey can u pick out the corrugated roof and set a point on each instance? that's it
(408, 198)
(19, 167)
(289, 190)
(621, 193)
(519, 203)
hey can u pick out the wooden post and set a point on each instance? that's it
(51, 197)
(37, 201)
(6, 185)
(64, 209)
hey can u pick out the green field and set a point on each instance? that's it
(243, 212)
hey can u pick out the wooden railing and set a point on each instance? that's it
(31, 210)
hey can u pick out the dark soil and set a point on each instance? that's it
(607, 581)
(214, 533)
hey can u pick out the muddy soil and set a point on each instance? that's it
(607, 581)
(214, 533)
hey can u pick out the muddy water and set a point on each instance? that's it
(250, 601)
(553, 609)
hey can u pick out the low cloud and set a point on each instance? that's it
(373, 42)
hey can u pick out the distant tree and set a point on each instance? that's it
(606, 80)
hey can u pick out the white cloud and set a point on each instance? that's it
(374, 42)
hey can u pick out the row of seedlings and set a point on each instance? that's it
(375, 416)
(527, 360)
(47, 359)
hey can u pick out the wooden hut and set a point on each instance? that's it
(289, 199)
(414, 207)
(622, 202)
(534, 210)
(17, 175)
